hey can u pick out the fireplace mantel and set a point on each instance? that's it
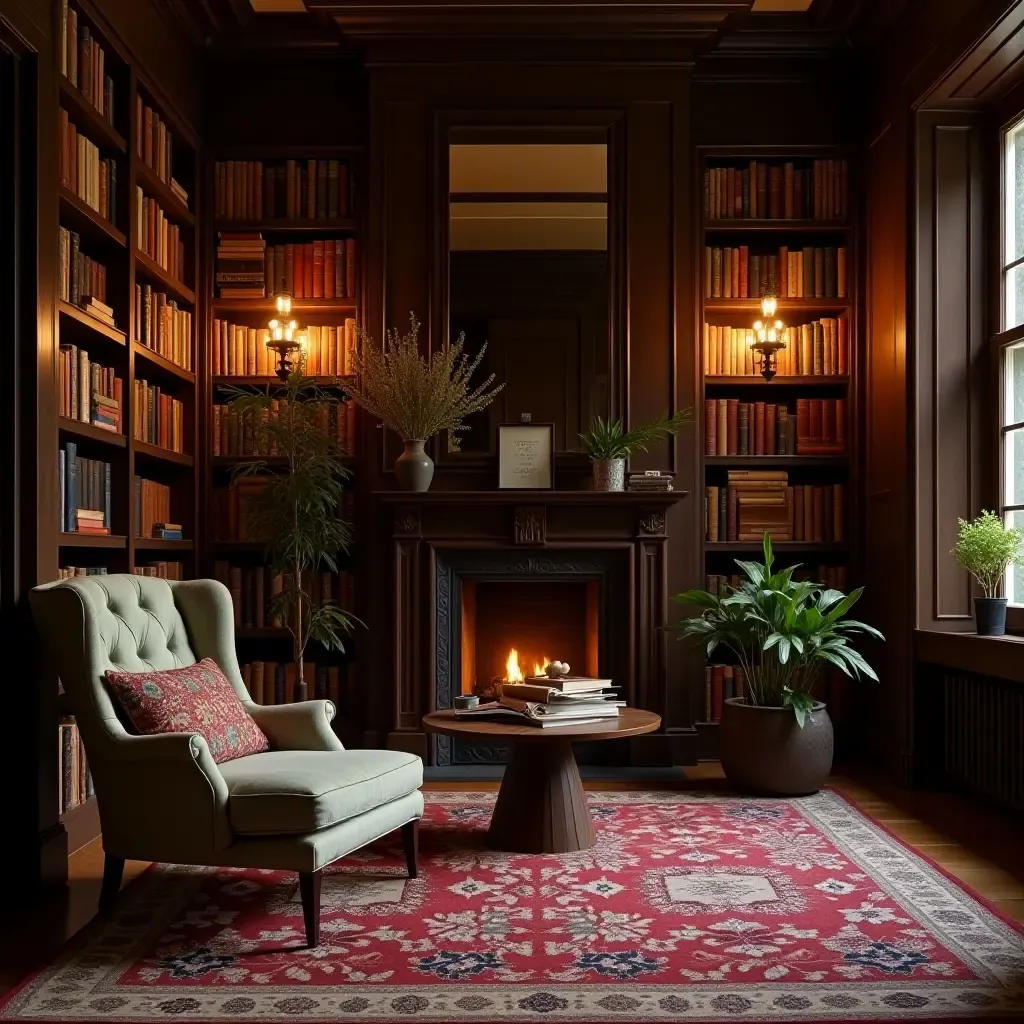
(540, 531)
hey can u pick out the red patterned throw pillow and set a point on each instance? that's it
(197, 698)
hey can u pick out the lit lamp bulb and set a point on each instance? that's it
(767, 336)
(284, 303)
(768, 306)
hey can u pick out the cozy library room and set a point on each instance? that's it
(512, 511)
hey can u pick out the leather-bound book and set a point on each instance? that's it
(839, 512)
(841, 264)
(743, 429)
(842, 347)
(318, 269)
(710, 426)
(782, 272)
(329, 268)
(350, 268)
(716, 273)
(759, 422)
(769, 429)
(711, 513)
(732, 503)
(732, 426)
(307, 269)
(722, 433)
(787, 190)
(310, 209)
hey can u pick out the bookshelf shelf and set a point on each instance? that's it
(281, 226)
(87, 117)
(152, 544)
(87, 430)
(153, 451)
(158, 276)
(710, 547)
(223, 380)
(299, 306)
(83, 218)
(88, 540)
(778, 461)
(748, 226)
(83, 319)
(752, 307)
(745, 381)
(156, 189)
(162, 364)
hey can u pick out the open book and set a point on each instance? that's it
(543, 715)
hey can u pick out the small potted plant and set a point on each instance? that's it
(986, 548)
(418, 397)
(777, 740)
(609, 444)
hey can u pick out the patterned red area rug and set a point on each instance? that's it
(689, 908)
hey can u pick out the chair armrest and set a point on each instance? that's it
(303, 726)
(163, 797)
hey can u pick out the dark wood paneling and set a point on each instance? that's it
(950, 369)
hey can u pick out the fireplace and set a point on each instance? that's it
(512, 628)
(577, 576)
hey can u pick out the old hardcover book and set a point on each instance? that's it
(723, 427)
(732, 426)
(710, 426)
(769, 429)
(711, 513)
(743, 429)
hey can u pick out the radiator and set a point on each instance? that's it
(983, 748)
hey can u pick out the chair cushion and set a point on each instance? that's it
(197, 698)
(285, 792)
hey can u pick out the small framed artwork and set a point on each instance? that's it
(526, 456)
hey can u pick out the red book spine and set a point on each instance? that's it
(710, 426)
(307, 266)
(744, 272)
(769, 429)
(759, 422)
(329, 268)
(815, 421)
(840, 418)
(318, 270)
(733, 427)
(299, 273)
(803, 421)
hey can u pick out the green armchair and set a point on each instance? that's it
(299, 806)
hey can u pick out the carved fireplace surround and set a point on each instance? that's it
(441, 538)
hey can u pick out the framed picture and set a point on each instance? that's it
(526, 456)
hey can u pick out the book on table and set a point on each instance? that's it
(539, 704)
(506, 709)
(569, 684)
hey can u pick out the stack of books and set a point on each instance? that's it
(84, 486)
(547, 702)
(820, 426)
(89, 392)
(159, 238)
(100, 310)
(69, 572)
(151, 506)
(90, 520)
(650, 480)
(81, 277)
(753, 503)
(240, 266)
(167, 531)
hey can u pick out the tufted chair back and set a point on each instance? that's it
(132, 623)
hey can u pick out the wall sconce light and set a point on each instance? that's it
(284, 337)
(767, 338)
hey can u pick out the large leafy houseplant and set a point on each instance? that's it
(297, 508)
(986, 549)
(782, 631)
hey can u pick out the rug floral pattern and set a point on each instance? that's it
(689, 908)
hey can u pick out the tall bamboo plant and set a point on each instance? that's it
(297, 510)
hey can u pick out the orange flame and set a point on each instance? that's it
(514, 674)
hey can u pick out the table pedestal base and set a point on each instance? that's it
(541, 806)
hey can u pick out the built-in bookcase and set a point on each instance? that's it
(297, 200)
(127, 200)
(782, 219)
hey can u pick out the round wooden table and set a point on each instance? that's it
(541, 806)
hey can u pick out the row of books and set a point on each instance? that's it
(751, 505)
(650, 480)
(159, 419)
(253, 587)
(240, 271)
(161, 570)
(84, 492)
(550, 702)
(289, 190)
(73, 775)
(274, 682)
(721, 682)
(233, 433)
(159, 238)
(151, 510)
(89, 392)
(321, 269)
(83, 63)
(163, 326)
(815, 190)
(93, 178)
(232, 505)
(154, 146)
(240, 351)
(813, 272)
(818, 348)
(732, 427)
(69, 572)
(833, 576)
(82, 278)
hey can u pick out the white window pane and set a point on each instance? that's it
(1013, 297)
(1015, 577)
(1013, 467)
(1013, 384)
(1014, 193)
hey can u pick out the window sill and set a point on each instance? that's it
(998, 656)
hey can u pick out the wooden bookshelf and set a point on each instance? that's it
(113, 245)
(764, 237)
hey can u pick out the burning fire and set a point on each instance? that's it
(514, 674)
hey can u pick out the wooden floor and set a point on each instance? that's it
(982, 847)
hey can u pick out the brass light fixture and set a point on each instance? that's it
(285, 337)
(767, 339)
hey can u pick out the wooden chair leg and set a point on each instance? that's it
(411, 843)
(309, 890)
(113, 871)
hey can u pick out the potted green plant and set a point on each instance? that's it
(297, 507)
(418, 397)
(985, 547)
(777, 739)
(609, 445)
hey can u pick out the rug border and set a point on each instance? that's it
(81, 936)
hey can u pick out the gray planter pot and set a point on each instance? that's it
(990, 615)
(609, 474)
(414, 468)
(764, 751)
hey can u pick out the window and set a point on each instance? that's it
(1010, 348)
